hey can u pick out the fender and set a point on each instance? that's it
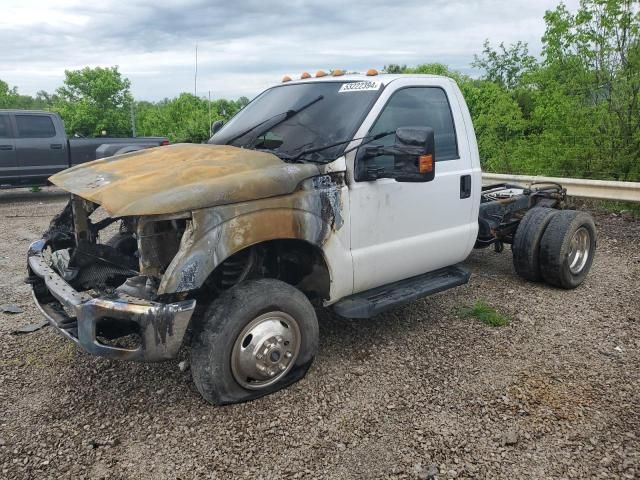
(312, 214)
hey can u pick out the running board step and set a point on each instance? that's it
(377, 300)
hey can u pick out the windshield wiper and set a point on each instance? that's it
(367, 139)
(287, 115)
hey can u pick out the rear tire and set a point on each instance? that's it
(526, 242)
(255, 339)
(567, 249)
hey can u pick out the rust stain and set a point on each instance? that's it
(312, 213)
(182, 177)
(273, 224)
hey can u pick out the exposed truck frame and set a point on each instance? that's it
(231, 248)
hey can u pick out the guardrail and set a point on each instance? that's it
(576, 187)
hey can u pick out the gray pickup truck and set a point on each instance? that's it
(34, 146)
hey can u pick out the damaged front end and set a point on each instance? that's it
(103, 296)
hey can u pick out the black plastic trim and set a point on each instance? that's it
(377, 300)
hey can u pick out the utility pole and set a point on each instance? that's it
(195, 79)
(209, 112)
(133, 120)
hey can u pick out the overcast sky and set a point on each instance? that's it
(246, 45)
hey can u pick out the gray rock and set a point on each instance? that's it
(33, 327)
(10, 308)
(510, 437)
(432, 472)
(422, 473)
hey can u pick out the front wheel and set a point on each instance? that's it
(255, 339)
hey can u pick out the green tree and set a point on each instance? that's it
(93, 100)
(186, 118)
(10, 98)
(393, 68)
(7, 95)
(505, 65)
(593, 57)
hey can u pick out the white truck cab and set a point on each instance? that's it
(397, 226)
(354, 192)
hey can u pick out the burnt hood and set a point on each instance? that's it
(181, 177)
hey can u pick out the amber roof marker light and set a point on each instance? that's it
(372, 72)
(338, 73)
(286, 78)
(305, 75)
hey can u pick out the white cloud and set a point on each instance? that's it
(246, 45)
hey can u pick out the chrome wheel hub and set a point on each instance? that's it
(579, 250)
(265, 350)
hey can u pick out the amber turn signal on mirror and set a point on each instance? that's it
(426, 163)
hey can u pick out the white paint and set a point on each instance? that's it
(400, 229)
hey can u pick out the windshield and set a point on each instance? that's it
(292, 118)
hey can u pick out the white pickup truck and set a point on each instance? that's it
(353, 192)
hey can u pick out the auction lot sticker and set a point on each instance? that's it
(360, 86)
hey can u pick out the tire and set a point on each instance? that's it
(526, 242)
(224, 361)
(561, 263)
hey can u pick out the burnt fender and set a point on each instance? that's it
(313, 213)
(199, 255)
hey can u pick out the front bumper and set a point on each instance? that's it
(161, 326)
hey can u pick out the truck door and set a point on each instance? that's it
(404, 229)
(40, 151)
(7, 147)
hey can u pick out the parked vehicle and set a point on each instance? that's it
(34, 146)
(356, 193)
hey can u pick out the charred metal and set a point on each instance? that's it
(96, 292)
(126, 286)
(311, 214)
(295, 262)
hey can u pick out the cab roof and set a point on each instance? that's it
(360, 77)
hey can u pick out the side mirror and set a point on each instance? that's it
(215, 126)
(413, 156)
(415, 160)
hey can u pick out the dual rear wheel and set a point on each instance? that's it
(555, 246)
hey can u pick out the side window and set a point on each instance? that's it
(418, 107)
(5, 126)
(35, 126)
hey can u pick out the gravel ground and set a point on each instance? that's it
(417, 392)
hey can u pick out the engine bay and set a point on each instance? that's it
(94, 252)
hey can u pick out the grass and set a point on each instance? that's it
(486, 314)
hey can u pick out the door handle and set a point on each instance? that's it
(6, 147)
(56, 146)
(465, 186)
